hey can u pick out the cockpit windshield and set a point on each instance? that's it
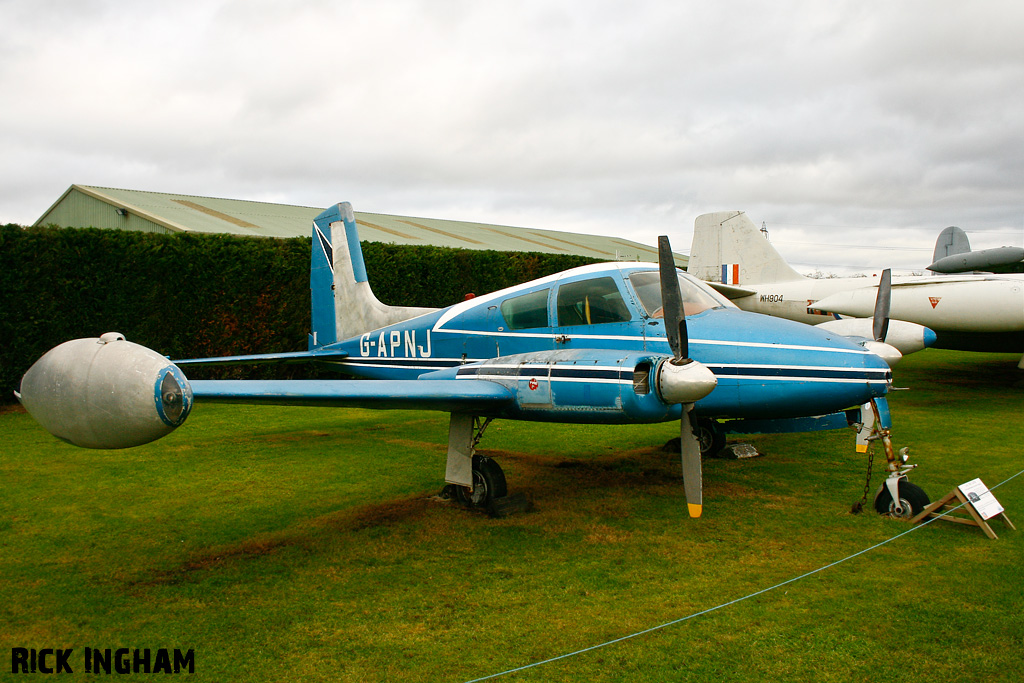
(697, 297)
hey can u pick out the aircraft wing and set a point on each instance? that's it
(264, 358)
(938, 279)
(731, 291)
(433, 394)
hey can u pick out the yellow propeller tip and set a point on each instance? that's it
(694, 509)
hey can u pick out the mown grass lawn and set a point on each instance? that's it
(307, 544)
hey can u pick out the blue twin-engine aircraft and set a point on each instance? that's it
(612, 343)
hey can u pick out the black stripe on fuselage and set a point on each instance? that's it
(798, 373)
(570, 372)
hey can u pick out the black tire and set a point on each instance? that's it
(488, 483)
(710, 437)
(913, 500)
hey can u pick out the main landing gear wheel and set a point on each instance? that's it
(710, 437)
(488, 484)
(913, 500)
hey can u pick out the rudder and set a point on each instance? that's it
(343, 305)
(951, 241)
(728, 248)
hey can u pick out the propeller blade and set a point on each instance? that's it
(672, 301)
(880, 321)
(684, 338)
(678, 341)
(689, 449)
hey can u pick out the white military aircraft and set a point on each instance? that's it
(973, 312)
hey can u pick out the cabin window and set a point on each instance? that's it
(526, 311)
(591, 302)
(697, 298)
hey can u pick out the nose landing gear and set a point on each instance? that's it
(896, 497)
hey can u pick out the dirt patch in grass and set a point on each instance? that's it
(295, 436)
(216, 558)
(306, 535)
(640, 468)
(387, 513)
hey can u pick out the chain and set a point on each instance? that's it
(859, 505)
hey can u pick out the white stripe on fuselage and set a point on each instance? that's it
(765, 366)
(655, 340)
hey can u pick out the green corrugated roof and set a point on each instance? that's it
(189, 213)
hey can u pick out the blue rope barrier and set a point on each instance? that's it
(737, 600)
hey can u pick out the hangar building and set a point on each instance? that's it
(102, 207)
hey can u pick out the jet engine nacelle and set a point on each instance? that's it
(106, 393)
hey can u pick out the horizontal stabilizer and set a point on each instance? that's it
(448, 395)
(731, 291)
(267, 358)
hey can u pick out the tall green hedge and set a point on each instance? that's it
(190, 295)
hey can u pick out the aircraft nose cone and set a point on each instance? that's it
(929, 337)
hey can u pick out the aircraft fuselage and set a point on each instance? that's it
(581, 346)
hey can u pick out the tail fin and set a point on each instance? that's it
(343, 305)
(728, 248)
(950, 242)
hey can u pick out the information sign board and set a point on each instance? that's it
(981, 498)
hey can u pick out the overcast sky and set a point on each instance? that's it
(855, 131)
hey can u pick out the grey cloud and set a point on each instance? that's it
(591, 116)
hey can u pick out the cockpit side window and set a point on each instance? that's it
(591, 302)
(526, 311)
(697, 298)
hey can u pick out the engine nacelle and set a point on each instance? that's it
(106, 393)
(905, 337)
(684, 380)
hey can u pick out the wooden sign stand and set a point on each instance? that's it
(951, 500)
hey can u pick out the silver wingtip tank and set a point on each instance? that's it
(106, 392)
